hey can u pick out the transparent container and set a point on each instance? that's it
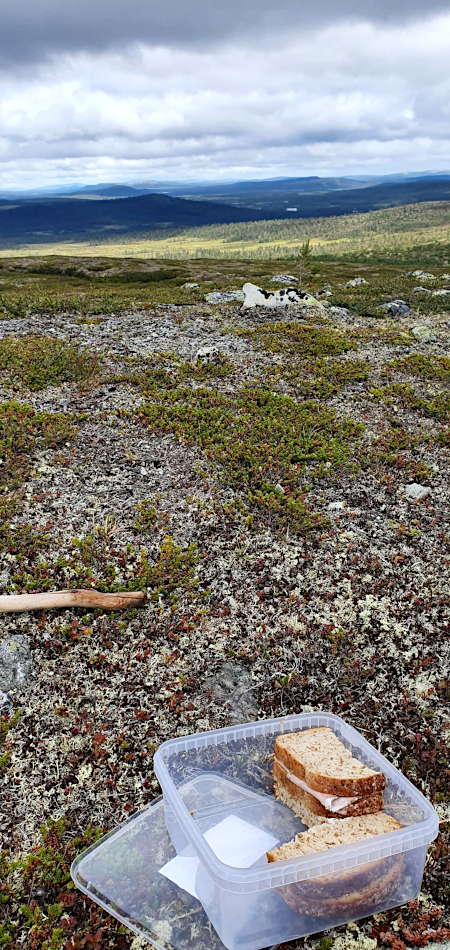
(208, 776)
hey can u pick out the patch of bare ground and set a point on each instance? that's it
(344, 607)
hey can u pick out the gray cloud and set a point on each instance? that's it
(31, 31)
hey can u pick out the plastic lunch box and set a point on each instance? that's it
(209, 776)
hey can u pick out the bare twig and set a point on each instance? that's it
(14, 603)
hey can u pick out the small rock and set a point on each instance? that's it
(279, 487)
(335, 506)
(440, 293)
(420, 273)
(444, 277)
(224, 296)
(208, 354)
(5, 700)
(284, 279)
(339, 311)
(356, 282)
(189, 286)
(414, 491)
(396, 308)
(322, 293)
(424, 334)
(421, 290)
(234, 688)
(144, 471)
(15, 663)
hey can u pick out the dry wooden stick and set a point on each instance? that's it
(14, 603)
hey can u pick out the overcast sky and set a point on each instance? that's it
(108, 90)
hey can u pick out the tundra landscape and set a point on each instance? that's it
(275, 481)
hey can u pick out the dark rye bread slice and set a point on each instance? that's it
(302, 803)
(321, 760)
(358, 899)
(352, 890)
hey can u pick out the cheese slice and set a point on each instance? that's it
(332, 803)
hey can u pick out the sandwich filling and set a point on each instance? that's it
(333, 803)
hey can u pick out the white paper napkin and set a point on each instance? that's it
(234, 841)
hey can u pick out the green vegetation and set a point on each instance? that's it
(57, 914)
(37, 362)
(411, 234)
(264, 442)
(85, 288)
(400, 394)
(426, 367)
(6, 723)
(296, 340)
(21, 429)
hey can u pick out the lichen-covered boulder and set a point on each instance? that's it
(256, 297)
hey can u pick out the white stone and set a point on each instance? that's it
(284, 279)
(335, 506)
(256, 297)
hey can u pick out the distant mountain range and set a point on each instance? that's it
(100, 211)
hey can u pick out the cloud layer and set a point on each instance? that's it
(32, 30)
(335, 96)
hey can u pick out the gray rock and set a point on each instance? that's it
(424, 334)
(5, 700)
(440, 293)
(414, 491)
(15, 663)
(444, 277)
(189, 286)
(421, 290)
(335, 506)
(396, 308)
(420, 273)
(322, 293)
(339, 311)
(234, 689)
(284, 279)
(224, 296)
(356, 282)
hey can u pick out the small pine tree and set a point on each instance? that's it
(305, 260)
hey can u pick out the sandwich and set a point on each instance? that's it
(353, 891)
(318, 778)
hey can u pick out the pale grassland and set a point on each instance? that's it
(395, 229)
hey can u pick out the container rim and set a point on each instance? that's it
(307, 866)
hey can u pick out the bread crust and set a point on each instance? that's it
(299, 752)
(365, 805)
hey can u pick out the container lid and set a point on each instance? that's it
(121, 874)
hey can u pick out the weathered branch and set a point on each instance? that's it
(14, 603)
